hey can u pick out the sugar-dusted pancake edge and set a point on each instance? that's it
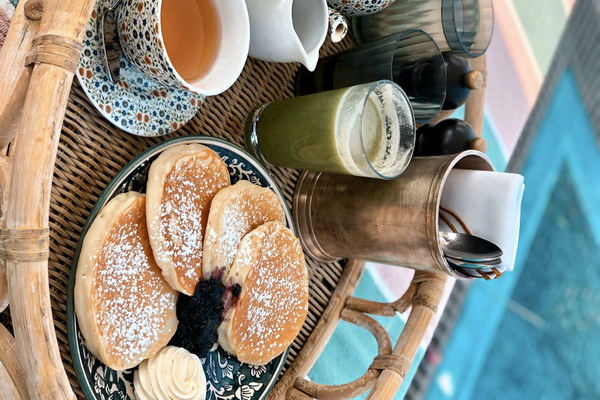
(84, 283)
(158, 173)
(248, 257)
(228, 223)
(85, 311)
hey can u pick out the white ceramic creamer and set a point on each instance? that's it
(287, 30)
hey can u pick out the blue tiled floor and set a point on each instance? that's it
(553, 319)
(534, 333)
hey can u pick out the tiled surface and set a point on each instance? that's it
(553, 315)
(544, 302)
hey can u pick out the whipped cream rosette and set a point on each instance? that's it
(172, 374)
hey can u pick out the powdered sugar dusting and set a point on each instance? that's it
(188, 190)
(274, 300)
(133, 301)
(246, 210)
(240, 217)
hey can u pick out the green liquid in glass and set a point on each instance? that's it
(300, 132)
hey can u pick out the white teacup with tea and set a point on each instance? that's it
(199, 45)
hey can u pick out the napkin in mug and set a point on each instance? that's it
(490, 205)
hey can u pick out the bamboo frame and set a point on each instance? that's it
(12, 385)
(37, 63)
(41, 90)
(389, 368)
(474, 108)
(5, 169)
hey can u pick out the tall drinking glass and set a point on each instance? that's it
(463, 26)
(364, 130)
(412, 59)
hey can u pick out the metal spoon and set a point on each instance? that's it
(109, 36)
(460, 271)
(475, 265)
(464, 272)
(462, 246)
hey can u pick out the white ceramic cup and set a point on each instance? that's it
(288, 30)
(140, 34)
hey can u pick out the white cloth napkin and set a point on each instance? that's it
(490, 205)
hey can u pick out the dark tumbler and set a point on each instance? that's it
(411, 59)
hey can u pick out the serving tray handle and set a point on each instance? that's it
(37, 63)
(389, 368)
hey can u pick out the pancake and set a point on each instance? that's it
(182, 182)
(125, 308)
(235, 211)
(273, 302)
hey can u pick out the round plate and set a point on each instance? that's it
(134, 103)
(226, 377)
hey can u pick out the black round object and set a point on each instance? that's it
(449, 136)
(456, 92)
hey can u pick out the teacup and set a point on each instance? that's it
(143, 42)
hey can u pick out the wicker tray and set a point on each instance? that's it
(58, 173)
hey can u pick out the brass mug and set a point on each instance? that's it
(392, 222)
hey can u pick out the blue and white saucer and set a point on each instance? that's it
(136, 104)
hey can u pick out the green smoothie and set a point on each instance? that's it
(364, 130)
(300, 132)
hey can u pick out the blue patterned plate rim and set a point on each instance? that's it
(136, 104)
(115, 187)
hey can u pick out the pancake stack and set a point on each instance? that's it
(236, 211)
(225, 246)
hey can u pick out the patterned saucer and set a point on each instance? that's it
(353, 8)
(135, 103)
(226, 377)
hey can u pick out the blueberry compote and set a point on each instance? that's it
(201, 314)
